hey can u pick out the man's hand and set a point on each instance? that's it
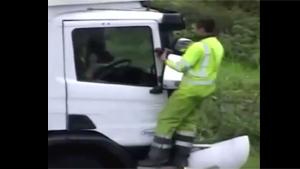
(163, 54)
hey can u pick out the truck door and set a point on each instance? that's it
(110, 69)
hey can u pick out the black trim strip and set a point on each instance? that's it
(80, 122)
(161, 140)
(172, 20)
(184, 138)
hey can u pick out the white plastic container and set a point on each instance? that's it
(229, 154)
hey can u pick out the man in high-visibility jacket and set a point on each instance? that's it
(177, 122)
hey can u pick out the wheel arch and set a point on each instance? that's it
(100, 143)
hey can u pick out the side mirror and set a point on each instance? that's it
(182, 44)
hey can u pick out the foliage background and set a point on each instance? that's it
(234, 109)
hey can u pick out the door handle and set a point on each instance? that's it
(149, 132)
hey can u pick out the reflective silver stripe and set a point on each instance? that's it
(184, 144)
(193, 73)
(161, 146)
(186, 133)
(202, 72)
(184, 64)
(208, 82)
(163, 136)
(205, 62)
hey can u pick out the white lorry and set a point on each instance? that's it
(101, 68)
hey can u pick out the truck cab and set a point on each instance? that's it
(102, 66)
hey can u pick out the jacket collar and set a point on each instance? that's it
(208, 36)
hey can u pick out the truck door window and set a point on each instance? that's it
(118, 55)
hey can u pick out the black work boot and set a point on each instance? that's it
(182, 149)
(159, 153)
(157, 157)
(180, 161)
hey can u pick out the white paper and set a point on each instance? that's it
(171, 76)
(170, 73)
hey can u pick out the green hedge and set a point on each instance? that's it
(234, 108)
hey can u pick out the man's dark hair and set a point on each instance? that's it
(207, 24)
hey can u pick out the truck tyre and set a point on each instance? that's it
(85, 149)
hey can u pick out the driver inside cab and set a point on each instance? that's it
(97, 57)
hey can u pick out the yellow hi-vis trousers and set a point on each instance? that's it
(181, 113)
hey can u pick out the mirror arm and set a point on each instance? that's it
(157, 89)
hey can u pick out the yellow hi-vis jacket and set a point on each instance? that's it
(200, 63)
